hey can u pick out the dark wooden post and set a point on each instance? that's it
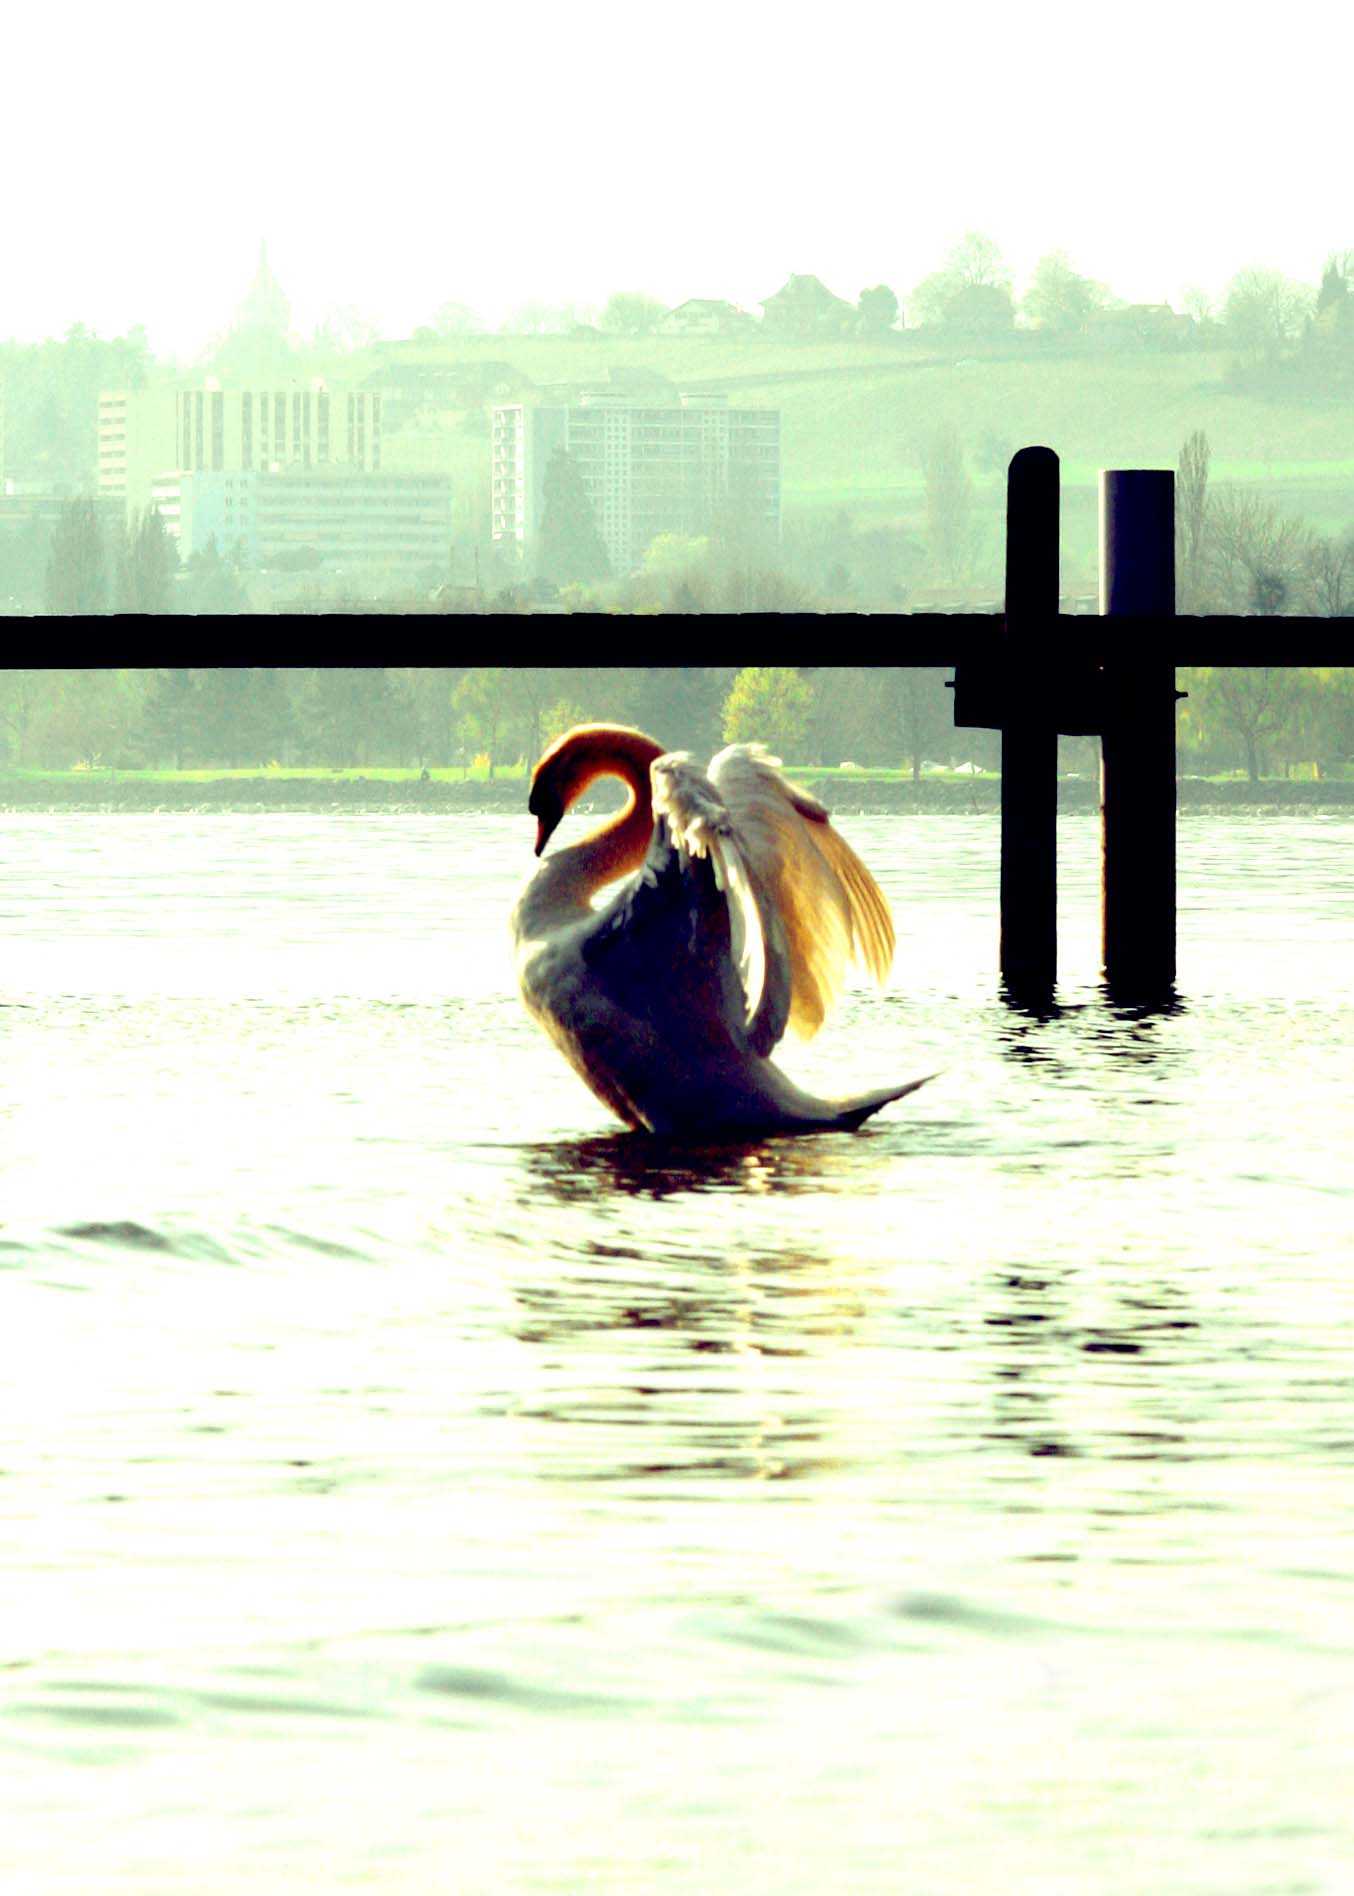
(1137, 768)
(1029, 736)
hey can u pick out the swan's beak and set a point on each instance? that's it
(548, 812)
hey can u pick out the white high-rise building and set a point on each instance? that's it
(682, 464)
(145, 433)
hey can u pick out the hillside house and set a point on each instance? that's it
(805, 307)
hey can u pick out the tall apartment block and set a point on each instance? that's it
(145, 433)
(681, 465)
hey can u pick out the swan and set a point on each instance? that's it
(741, 912)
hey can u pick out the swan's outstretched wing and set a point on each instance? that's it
(827, 903)
(694, 944)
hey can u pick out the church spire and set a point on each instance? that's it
(266, 306)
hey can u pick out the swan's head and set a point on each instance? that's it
(576, 760)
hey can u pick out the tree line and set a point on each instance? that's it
(1261, 720)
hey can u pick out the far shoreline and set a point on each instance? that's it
(264, 794)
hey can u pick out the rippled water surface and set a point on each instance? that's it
(409, 1483)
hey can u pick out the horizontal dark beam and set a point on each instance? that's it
(924, 638)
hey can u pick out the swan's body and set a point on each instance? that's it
(746, 908)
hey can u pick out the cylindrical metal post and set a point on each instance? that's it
(1137, 762)
(1029, 739)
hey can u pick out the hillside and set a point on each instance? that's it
(858, 419)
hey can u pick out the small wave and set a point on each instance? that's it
(120, 1231)
(474, 1682)
(947, 1609)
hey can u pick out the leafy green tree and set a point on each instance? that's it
(877, 310)
(949, 504)
(426, 691)
(456, 319)
(1191, 518)
(91, 715)
(769, 704)
(971, 293)
(21, 694)
(1332, 715)
(631, 313)
(211, 583)
(23, 564)
(171, 718)
(1265, 313)
(669, 554)
(559, 717)
(481, 700)
(1329, 343)
(993, 454)
(570, 546)
(77, 575)
(51, 400)
(348, 712)
(1059, 299)
(244, 716)
(680, 705)
(147, 560)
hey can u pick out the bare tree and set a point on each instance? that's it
(1251, 702)
(1257, 555)
(1330, 576)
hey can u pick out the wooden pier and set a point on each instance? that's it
(1035, 687)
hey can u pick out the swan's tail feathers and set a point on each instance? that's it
(850, 1113)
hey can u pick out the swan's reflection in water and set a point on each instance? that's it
(582, 1170)
(678, 1345)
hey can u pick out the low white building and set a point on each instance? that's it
(343, 519)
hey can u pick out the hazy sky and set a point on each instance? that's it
(407, 156)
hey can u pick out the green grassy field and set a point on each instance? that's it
(270, 774)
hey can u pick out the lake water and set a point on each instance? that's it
(407, 1483)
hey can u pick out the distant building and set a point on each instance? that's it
(1141, 325)
(805, 307)
(652, 464)
(705, 316)
(144, 432)
(344, 519)
(430, 374)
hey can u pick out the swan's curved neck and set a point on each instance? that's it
(577, 871)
